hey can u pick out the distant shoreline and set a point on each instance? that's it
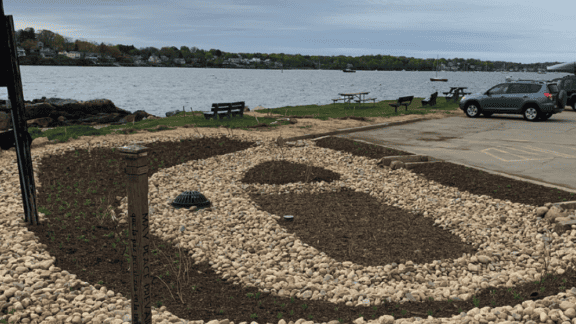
(266, 68)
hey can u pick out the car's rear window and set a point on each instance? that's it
(524, 88)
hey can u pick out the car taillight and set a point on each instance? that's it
(549, 96)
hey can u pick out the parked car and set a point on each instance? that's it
(568, 84)
(536, 100)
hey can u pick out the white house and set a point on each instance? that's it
(164, 58)
(179, 61)
(47, 52)
(73, 55)
(154, 59)
(255, 59)
(21, 52)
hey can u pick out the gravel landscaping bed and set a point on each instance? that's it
(438, 243)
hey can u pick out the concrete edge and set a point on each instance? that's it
(433, 159)
(353, 130)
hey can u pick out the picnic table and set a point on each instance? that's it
(348, 97)
(455, 93)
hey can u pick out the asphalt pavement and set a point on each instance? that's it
(542, 152)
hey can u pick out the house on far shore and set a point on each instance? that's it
(47, 52)
(73, 55)
(154, 59)
(92, 56)
(179, 61)
(21, 52)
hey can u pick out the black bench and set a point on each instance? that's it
(432, 100)
(226, 110)
(402, 101)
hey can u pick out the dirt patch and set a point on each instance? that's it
(302, 126)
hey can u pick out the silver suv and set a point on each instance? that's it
(536, 100)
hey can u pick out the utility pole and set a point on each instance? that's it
(18, 137)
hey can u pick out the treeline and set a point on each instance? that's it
(124, 54)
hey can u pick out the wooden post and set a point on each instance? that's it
(10, 77)
(137, 172)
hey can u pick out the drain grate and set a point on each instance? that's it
(188, 199)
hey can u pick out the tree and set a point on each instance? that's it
(185, 51)
(47, 38)
(134, 52)
(29, 45)
(59, 42)
(125, 49)
(103, 49)
(27, 34)
(84, 46)
(169, 52)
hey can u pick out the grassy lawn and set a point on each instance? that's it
(322, 112)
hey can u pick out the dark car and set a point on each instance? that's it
(536, 100)
(568, 84)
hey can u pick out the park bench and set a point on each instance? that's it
(432, 100)
(226, 110)
(364, 101)
(402, 101)
(334, 100)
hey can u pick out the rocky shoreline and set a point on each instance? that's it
(55, 112)
(501, 230)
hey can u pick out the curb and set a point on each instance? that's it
(503, 174)
(353, 130)
(431, 159)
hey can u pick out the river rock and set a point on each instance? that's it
(54, 112)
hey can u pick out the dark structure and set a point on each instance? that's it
(10, 78)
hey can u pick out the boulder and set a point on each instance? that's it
(562, 217)
(395, 165)
(54, 112)
(172, 113)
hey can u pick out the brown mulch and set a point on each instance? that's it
(346, 225)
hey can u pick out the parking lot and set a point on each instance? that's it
(540, 152)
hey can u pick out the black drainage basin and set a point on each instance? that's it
(188, 199)
(288, 218)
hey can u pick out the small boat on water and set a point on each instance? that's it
(436, 78)
(349, 71)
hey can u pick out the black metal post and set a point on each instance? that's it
(10, 78)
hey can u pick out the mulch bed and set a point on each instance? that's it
(346, 225)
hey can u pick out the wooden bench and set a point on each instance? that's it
(453, 95)
(402, 101)
(432, 100)
(364, 101)
(226, 110)
(334, 100)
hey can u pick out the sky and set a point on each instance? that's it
(518, 31)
